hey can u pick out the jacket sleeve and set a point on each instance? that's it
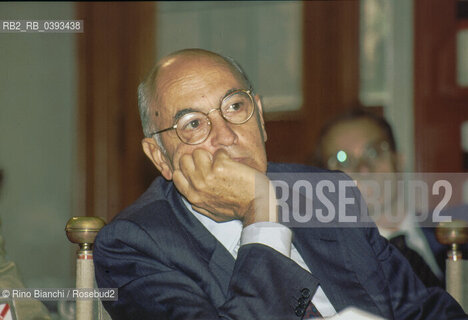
(151, 287)
(410, 299)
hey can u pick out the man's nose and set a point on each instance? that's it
(363, 166)
(221, 130)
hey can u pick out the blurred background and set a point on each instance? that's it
(69, 125)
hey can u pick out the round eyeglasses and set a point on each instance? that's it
(372, 153)
(195, 127)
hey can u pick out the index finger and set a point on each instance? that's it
(202, 159)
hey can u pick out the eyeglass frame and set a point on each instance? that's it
(383, 148)
(174, 127)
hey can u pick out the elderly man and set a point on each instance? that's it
(204, 242)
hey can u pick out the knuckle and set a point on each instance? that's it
(199, 184)
(183, 157)
(193, 198)
(218, 168)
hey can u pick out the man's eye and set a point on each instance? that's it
(192, 125)
(235, 107)
(372, 153)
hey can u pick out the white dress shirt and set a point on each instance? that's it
(232, 235)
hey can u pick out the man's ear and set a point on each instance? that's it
(258, 101)
(157, 156)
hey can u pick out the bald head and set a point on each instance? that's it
(150, 92)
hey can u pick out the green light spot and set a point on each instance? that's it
(341, 156)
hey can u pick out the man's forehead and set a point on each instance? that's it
(363, 129)
(193, 88)
(355, 133)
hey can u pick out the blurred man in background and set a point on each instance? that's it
(362, 144)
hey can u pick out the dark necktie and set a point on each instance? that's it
(311, 312)
(422, 270)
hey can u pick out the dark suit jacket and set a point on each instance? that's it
(166, 265)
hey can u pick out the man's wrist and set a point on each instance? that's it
(265, 207)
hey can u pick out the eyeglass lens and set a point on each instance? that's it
(344, 160)
(194, 127)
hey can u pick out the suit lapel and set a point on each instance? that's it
(220, 261)
(221, 264)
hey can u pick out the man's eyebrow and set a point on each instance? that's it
(182, 113)
(375, 142)
(228, 93)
